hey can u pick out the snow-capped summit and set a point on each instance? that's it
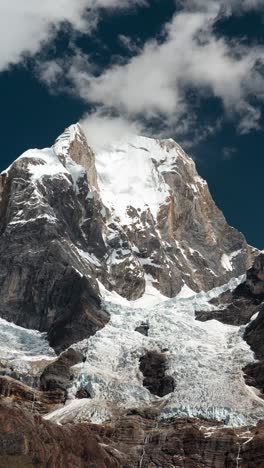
(137, 213)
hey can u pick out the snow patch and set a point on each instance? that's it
(185, 292)
(225, 262)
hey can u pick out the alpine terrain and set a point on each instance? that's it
(131, 313)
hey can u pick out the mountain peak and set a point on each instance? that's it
(120, 256)
(141, 210)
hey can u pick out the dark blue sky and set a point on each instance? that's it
(32, 115)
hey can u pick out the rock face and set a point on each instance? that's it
(45, 284)
(131, 442)
(153, 367)
(34, 401)
(237, 307)
(57, 375)
(170, 233)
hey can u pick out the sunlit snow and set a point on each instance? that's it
(130, 174)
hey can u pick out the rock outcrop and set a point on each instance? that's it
(131, 442)
(14, 392)
(237, 307)
(153, 367)
(57, 376)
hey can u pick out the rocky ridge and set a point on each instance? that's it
(132, 441)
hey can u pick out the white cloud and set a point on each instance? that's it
(228, 6)
(151, 86)
(153, 83)
(26, 24)
(244, 5)
(101, 130)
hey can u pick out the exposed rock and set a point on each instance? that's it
(57, 375)
(254, 334)
(28, 441)
(184, 443)
(82, 393)
(153, 367)
(255, 277)
(254, 375)
(44, 284)
(32, 400)
(237, 307)
(130, 442)
(143, 329)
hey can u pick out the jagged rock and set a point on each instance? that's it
(254, 375)
(254, 334)
(57, 375)
(131, 442)
(237, 307)
(153, 367)
(143, 329)
(82, 393)
(255, 277)
(30, 441)
(32, 400)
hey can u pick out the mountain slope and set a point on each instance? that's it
(113, 257)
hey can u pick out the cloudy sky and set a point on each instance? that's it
(188, 69)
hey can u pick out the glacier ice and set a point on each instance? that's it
(204, 358)
(21, 348)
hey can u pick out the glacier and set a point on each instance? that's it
(205, 360)
(25, 351)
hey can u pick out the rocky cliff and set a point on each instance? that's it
(123, 256)
(131, 442)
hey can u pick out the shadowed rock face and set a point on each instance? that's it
(44, 284)
(57, 375)
(254, 335)
(131, 442)
(32, 400)
(153, 367)
(143, 329)
(237, 307)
